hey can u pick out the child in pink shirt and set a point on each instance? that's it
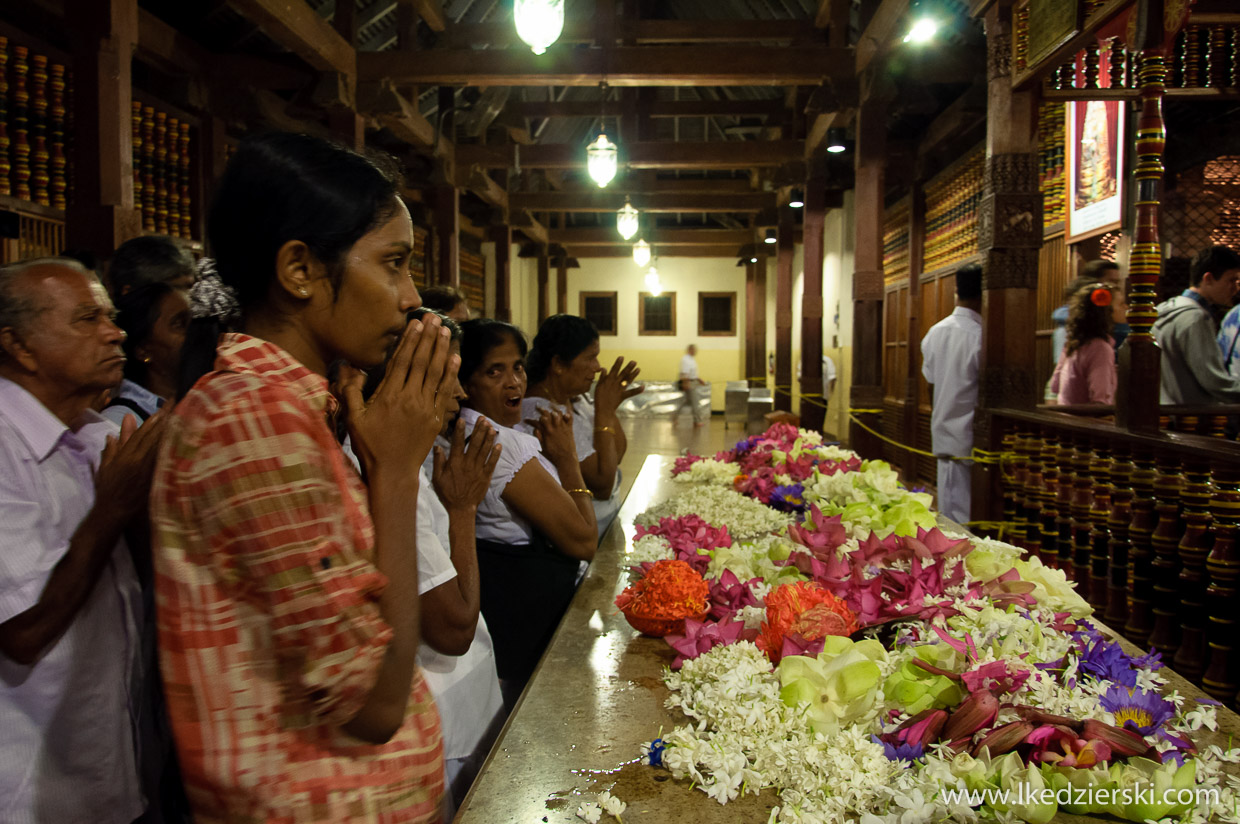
(1086, 369)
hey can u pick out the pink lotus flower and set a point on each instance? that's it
(1058, 745)
(687, 535)
(728, 595)
(703, 636)
(835, 467)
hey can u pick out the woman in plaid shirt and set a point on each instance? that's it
(287, 590)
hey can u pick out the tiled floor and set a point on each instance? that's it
(649, 436)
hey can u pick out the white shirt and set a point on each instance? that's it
(950, 354)
(67, 723)
(139, 396)
(496, 520)
(828, 372)
(688, 367)
(465, 687)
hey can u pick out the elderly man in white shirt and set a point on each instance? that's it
(688, 382)
(950, 354)
(71, 668)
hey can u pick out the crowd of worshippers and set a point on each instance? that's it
(281, 543)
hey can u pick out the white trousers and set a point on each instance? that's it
(692, 399)
(955, 480)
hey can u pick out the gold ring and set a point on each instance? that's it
(623, 384)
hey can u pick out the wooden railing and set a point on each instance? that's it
(1145, 524)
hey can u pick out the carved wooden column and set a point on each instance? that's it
(1141, 558)
(501, 236)
(1119, 547)
(544, 274)
(561, 284)
(1222, 566)
(1193, 549)
(447, 235)
(103, 35)
(1100, 533)
(1034, 484)
(211, 157)
(1065, 459)
(867, 366)
(1049, 514)
(1166, 562)
(813, 402)
(912, 378)
(785, 249)
(1082, 503)
(755, 321)
(1136, 407)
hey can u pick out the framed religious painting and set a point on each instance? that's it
(1095, 137)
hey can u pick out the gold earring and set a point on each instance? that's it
(302, 291)
(146, 358)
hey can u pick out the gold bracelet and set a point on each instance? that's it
(578, 491)
(604, 429)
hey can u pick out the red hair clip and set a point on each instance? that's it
(1100, 296)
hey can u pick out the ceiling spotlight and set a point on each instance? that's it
(835, 140)
(641, 253)
(753, 260)
(770, 236)
(923, 30)
(539, 22)
(797, 200)
(626, 220)
(601, 160)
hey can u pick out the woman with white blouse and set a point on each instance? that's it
(535, 526)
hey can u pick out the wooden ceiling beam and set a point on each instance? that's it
(878, 33)
(502, 34)
(964, 113)
(170, 49)
(298, 28)
(431, 12)
(647, 155)
(607, 236)
(626, 251)
(610, 201)
(622, 66)
(526, 223)
(656, 108)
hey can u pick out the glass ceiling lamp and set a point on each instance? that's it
(653, 286)
(922, 31)
(626, 220)
(641, 253)
(539, 22)
(601, 160)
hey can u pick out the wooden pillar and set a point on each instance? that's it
(867, 367)
(784, 251)
(561, 285)
(544, 272)
(343, 120)
(1136, 405)
(755, 321)
(501, 236)
(1009, 239)
(447, 235)
(103, 35)
(912, 377)
(813, 396)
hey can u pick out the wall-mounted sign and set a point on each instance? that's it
(1051, 24)
(1095, 133)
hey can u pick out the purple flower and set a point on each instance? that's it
(788, 498)
(654, 752)
(900, 752)
(1138, 710)
(1151, 660)
(1174, 756)
(1108, 662)
(1209, 702)
(743, 446)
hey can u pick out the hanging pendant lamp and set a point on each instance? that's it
(641, 253)
(601, 160)
(626, 220)
(539, 22)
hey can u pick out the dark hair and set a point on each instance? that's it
(148, 259)
(560, 336)
(480, 336)
(1086, 319)
(969, 282)
(1075, 285)
(137, 312)
(1216, 260)
(441, 297)
(276, 188)
(1095, 270)
(374, 376)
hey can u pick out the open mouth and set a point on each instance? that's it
(513, 402)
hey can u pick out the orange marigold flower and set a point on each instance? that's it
(806, 609)
(670, 589)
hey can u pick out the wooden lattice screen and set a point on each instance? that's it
(1204, 207)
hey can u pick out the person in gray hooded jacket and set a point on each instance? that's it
(1192, 364)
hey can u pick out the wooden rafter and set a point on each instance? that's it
(645, 155)
(610, 201)
(655, 108)
(298, 28)
(607, 236)
(882, 27)
(502, 34)
(626, 250)
(622, 66)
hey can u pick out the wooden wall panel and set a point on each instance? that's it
(1052, 279)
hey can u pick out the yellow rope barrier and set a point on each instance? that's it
(977, 455)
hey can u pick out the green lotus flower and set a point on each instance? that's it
(840, 684)
(1153, 789)
(913, 689)
(1052, 590)
(1080, 791)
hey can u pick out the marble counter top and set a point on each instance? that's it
(597, 696)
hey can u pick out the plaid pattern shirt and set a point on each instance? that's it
(269, 627)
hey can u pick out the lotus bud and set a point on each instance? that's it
(923, 728)
(977, 711)
(1004, 739)
(960, 745)
(1038, 717)
(1123, 743)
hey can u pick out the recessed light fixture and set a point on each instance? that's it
(835, 140)
(797, 200)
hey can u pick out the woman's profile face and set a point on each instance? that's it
(578, 375)
(376, 291)
(456, 394)
(162, 348)
(1119, 306)
(497, 386)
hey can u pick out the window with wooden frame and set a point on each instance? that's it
(717, 314)
(600, 309)
(656, 314)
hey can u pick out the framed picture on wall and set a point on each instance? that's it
(1095, 136)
